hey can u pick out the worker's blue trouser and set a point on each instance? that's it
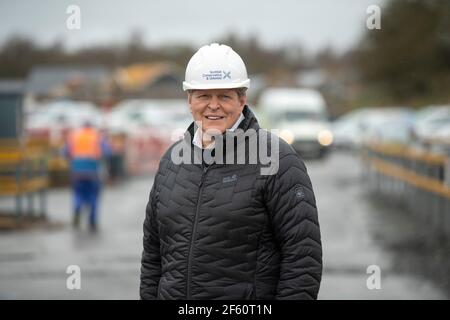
(86, 192)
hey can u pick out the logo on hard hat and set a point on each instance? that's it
(217, 75)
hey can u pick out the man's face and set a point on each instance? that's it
(217, 109)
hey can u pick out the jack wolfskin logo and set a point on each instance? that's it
(299, 192)
(230, 179)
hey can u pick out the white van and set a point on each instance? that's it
(301, 116)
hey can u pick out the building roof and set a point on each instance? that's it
(44, 79)
(11, 86)
(139, 76)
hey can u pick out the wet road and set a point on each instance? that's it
(33, 263)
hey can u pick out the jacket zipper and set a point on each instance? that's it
(194, 230)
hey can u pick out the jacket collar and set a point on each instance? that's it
(250, 122)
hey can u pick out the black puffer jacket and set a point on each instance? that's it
(225, 231)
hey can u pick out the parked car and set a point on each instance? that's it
(433, 129)
(347, 129)
(393, 125)
(374, 125)
(430, 120)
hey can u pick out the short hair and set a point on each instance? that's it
(241, 92)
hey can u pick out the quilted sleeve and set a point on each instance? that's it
(291, 204)
(151, 259)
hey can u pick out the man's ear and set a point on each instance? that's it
(189, 101)
(243, 101)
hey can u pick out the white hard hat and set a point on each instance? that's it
(216, 66)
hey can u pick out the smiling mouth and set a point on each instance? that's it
(214, 117)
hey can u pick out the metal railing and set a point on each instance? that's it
(23, 173)
(418, 180)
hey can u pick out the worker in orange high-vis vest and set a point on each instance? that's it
(85, 148)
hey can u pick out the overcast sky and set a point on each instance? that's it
(313, 24)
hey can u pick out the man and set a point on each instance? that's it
(85, 148)
(216, 230)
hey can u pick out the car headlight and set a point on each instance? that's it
(325, 138)
(287, 136)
